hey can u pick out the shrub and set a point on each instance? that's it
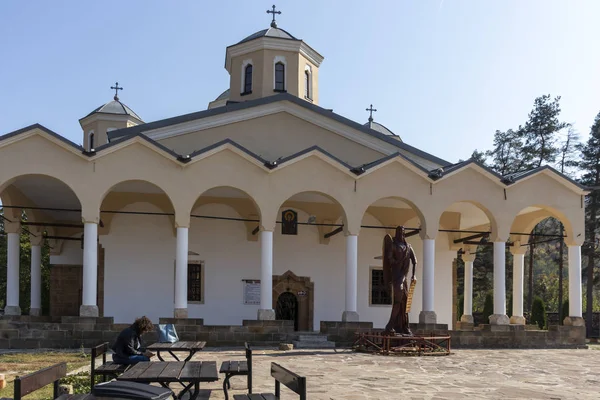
(80, 382)
(510, 307)
(460, 306)
(488, 307)
(538, 312)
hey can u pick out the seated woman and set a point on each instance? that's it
(128, 346)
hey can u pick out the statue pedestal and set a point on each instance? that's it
(349, 316)
(427, 317)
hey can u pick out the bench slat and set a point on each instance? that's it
(225, 367)
(111, 367)
(171, 371)
(154, 369)
(209, 370)
(191, 370)
(36, 380)
(87, 396)
(255, 396)
(235, 366)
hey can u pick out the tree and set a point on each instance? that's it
(488, 308)
(506, 155)
(539, 132)
(479, 156)
(568, 152)
(538, 312)
(590, 168)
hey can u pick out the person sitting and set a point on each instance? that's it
(128, 348)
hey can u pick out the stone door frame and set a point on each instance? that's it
(294, 284)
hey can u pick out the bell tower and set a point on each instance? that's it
(272, 61)
(110, 116)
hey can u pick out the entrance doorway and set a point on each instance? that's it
(293, 299)
(287, 308)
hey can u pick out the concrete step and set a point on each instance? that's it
(311, 338)
(313, 344)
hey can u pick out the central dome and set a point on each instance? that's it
(115, 107)
(270, 32)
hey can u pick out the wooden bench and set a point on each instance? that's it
(110, 368)
(37, 380)
(284, 376)
(233, 368)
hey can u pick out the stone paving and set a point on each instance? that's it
(489, 374)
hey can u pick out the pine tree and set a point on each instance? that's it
(479, 156)
(590, 168)
(540, 131)
(506, 155)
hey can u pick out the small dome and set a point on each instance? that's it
(115, 107)
(381, 129)
(271, 32)
(223, 96)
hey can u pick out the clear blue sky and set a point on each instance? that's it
(443, 74)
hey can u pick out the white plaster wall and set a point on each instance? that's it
(71, 254)
(139, 268)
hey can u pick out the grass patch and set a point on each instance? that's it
(18, 364)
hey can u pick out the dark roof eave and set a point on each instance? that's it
(43, 128)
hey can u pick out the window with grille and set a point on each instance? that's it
(248, 79)
(279, 77)
(379, 293)
(195, 292)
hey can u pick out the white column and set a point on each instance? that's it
(36, 276)
(575, 317)
(427, 315)
(467, 316)
(181, 273)
(12, 272)
(499, 317)
(89, 308)
(350, 314)
(266, 311)
(518, 253)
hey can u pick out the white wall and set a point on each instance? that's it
(139, 268)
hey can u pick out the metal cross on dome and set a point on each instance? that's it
(371, 109)
(273, 23)
(116, 88)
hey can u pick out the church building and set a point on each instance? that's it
(265, 205)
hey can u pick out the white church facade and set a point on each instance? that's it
(263, 206)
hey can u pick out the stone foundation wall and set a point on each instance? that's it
(27, 332)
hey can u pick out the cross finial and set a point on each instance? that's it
(116, 88)
(273, 23)
(371, 109)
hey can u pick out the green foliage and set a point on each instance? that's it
(506, 155)
(460, 306)
(538, 312)
(509, 307)
(80, 382)
(488, 307)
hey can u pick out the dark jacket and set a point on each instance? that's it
(128, 343)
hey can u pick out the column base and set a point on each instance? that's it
(12, 310)
(88, 311)
(266, 315)
(499, 319)
(517, 320)
(180, 313)
(574, 321)
(427, 317)
(467, 318)
(349, 316)
(36, 312)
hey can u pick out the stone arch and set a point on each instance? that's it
(246, 207)
(527, 223)
(330, 211)
(142, 191)
(402, 216)
(26, 191)
(495, 232)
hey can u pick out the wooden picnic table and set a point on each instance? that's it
(187, 374)
(191, 347)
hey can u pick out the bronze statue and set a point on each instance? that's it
(397, 255)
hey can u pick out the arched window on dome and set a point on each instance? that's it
(307, 82)
(248, 79)
(280, 77)
(91, 140)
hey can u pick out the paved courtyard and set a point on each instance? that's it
(490, 374)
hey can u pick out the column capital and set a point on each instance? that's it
(516, 248)
(95, 221)
(12, 227)
(36, 240)
(469, 257)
